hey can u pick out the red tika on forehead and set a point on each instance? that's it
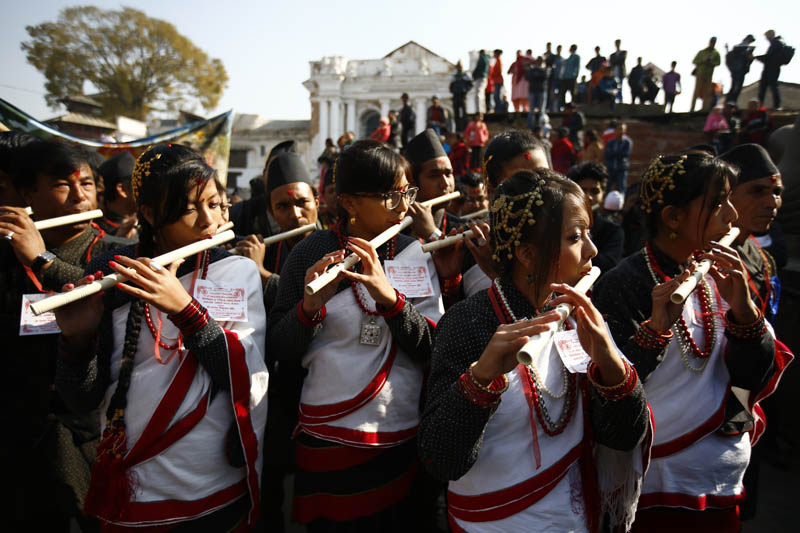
(291, 193)
(527, 155)
(476, 190)
(76, 174)
(773, 179)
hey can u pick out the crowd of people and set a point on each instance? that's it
(182, 396)
(542, 82)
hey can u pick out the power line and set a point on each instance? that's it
(22, 89)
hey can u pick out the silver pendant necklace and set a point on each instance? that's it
(370, 329)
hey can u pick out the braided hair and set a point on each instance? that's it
(529, 208)
(163, 179)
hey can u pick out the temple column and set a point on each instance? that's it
(385, 107)
(335, 126)
(421, 110)
(351, 115)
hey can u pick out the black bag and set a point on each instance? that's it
(785, 53)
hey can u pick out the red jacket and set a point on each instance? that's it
(563, 155)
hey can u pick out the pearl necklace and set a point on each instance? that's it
(532, 367)
(683, 336)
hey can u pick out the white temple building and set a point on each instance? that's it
(354, 94)
(346, 95)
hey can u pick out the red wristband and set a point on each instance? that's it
(191, 319)
(395, 309)
(451, 286)
(313, 321)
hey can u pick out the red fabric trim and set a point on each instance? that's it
(503, 503)
(157, 511)
(164, 412)
(431, 322)
(333, 458)
(354, 437)
(684, 441)
(310, 322)
(697, 503)
(317, 414)
(240, 397)
(783, 357)
(343, 508)
(527, 389)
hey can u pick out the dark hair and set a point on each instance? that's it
(545, 233)
(174, 172)
(591, 134)
(704, 175)
(589, 170)
(51, 158)
(472, 179)
(369, 166)
(505, 147)
(11, 144)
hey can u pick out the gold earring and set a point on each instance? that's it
(352, 220)
(673, 235)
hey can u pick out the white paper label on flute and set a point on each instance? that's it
(30, 324)
(409, 277)
(225, 302)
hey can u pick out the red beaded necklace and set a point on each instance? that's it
(706, 313)
(389, 254)
(156, 331)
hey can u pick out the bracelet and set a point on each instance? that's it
(618, 391)
(191, 318)
(482, 395)
(314, 320)
(395, 309)
(451, 286)
(750, 331)
(657, 332)
(434, 235)
(649, 339)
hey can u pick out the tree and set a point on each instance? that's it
(135, 62)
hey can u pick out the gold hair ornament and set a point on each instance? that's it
(484, 172)
(141, 170)
(512, 221)
(658, 179)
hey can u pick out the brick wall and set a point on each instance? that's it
(651, 135)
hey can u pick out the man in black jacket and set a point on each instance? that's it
(773, 60)
(459, 87)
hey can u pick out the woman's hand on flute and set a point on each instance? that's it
(312, 303)
(26, 241)
(592, 333)
(423, 225)
(500, 355)
(79, 320)
(482, 254)
(730, 276)
(371, 275)
(448, 260)
(155, 284)
(664, 312)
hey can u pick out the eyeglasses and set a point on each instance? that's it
(392, 199)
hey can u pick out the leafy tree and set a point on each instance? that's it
(135, 62)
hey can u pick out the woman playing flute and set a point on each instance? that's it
(690, 356)
(533, 448)
(365, 346)
(183, 396)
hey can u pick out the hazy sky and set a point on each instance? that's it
(266, 45)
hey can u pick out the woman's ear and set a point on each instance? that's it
(526, 255)
(348, 203)
(147, 213)
(672, 217)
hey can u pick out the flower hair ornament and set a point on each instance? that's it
(658, 179)
(510, 221)
(141, 170)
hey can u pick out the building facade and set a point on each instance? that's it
(354, 94)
